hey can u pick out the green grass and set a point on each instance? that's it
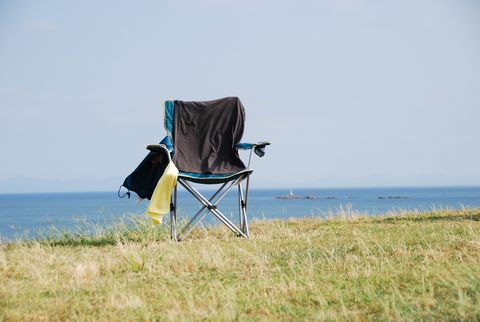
(397, 267)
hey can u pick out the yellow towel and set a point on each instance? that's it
(160, 203)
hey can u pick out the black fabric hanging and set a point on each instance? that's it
(144, 178)
(205, 136)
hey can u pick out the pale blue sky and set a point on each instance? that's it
(351, 93)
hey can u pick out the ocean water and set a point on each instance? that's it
(27, 214)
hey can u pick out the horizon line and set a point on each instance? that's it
(269, 188)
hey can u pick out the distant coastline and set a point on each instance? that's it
(292, 196)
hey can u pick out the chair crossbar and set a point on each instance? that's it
(213, 210)
(203, 211)
(210, 205)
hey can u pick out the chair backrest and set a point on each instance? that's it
(205, 134)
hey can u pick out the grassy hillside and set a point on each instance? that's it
(397, 267)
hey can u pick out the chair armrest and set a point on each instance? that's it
(157, 148)
(160, 148)
(258, 148)
(249, 146)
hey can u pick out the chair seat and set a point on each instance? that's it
(210, 178)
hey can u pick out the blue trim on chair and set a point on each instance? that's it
(249, 146)
(245, 146)
(167, 141)
(205, 175)
(204, 178)
(169, 111)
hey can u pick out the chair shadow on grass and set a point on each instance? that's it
(84, 240)
(202, 234)
(89, 234)
(133, 235)
(100, 242)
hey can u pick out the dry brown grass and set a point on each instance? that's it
(400, 267)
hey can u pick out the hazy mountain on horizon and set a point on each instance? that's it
(24, 184)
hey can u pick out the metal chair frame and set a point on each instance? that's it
(210, 206)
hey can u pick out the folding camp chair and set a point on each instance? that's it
(203, 140)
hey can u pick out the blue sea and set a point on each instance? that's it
(27, 214)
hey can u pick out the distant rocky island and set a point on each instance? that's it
(292, 196)
(392, 197)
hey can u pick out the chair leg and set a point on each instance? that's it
(247, 189)
(247, 230)
(243, 209)
(240, 213)
(173, 215)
